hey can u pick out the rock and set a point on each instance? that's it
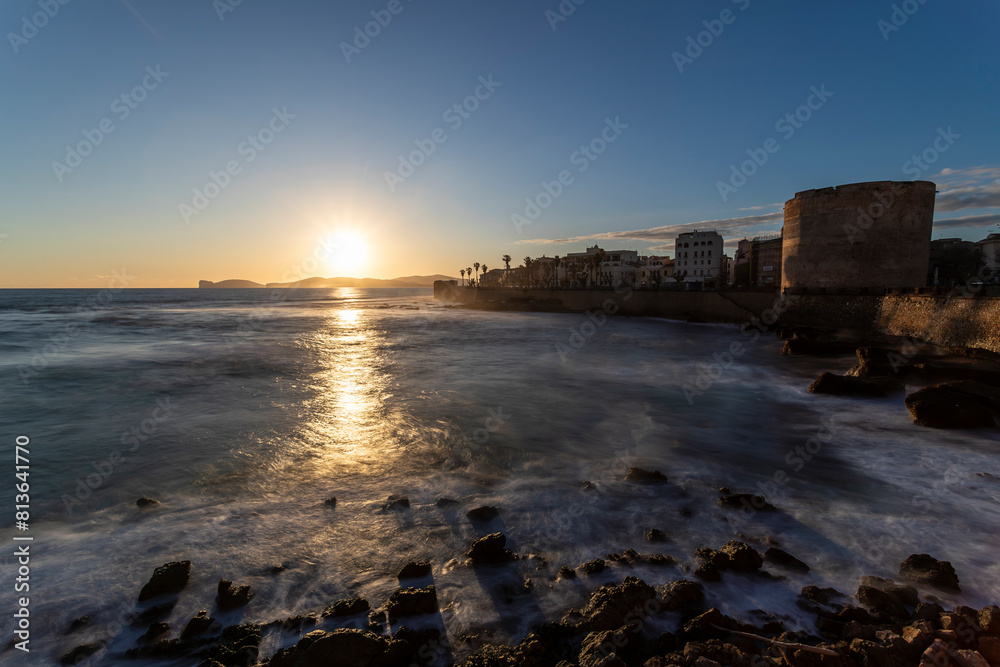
(331, 502)
(155, 633)
(446, 502)
(484, 513)
(349, 607)
(146, 502)
(412, 602)
(881, 602)
(820, 595)
(340, 648)
(815, 348)
(610, 606)
(745, 501)
(905, 594)
(588, 485)
(490, 549)
(952, 405)
(609, 647)
(149, 616)
(231, 596)
(924, 569)
(706, 626)
(742, 557)
(841, 385)
(78, 624)
(169, 578)
(784, 559)
(197, 625)
(80, 653)
(595, 566)
(681, 594)
(989, 648)
(875, 362)
(642, 476)
(566, 573)
(929, 611)
(989, 620)
(398, 502)
(415, 569)
(656, 536)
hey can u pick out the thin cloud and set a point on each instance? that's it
(968, 221)
(141, 20)
(975, 187)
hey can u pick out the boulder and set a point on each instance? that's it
(197, 625)
(490, 549)
(169, 578)
(566, 573)
(412, 602)
(924, 569)
(484, 513)
(989, 620)
(609, 647)
(905, 594)
(398, 503)
(842, 385)
(415, 569)
(681, 594)
(612, 606)
(877, 362)
(741, 557)
(744, 501)
(146, 502)
(785, 560)
(81, 653)
(232, 596)
(593, 567)
(349, 607)
(340, 648)
(331, 502)
(643, 476)
(954, 405)
(446, 502)
(78, 624)
(881, 602)
(656, 536)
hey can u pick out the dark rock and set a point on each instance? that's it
(841, 385)
(238, 645)
(348, 607)
(706, 626)
(146, 502)
(155, 633)
(681, 594)
(881, 602)
(953, 405)
(412, 602)
(905, 594)
(742, 557)
(490, 549)
(149, 616)
(331, 502)
(415, 569)
(813, 348)
(277, 569)
(198, 625)
(566, 573)
(588, 486)
(924, 569)
(231, 596)
(745, 501)
(609, 605)
(928, 611)
(80, 653)
(340, 648)
(724, 490)
(398, 502)
(641, 475)
(446, 502)
(484, 513)
(169, 578)
(595, 566)
(876, 362)
(656, 536)
(609, 647)
(989, 620)
(78, 624)
(820, 595)
(784, 559)
(708, 571)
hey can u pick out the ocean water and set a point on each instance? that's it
(241, 411)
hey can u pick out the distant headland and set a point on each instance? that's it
(312, 283)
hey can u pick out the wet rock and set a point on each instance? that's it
(81, 653)
(593, 567)
(155, 633)
(490, 549)
(705, 626)
(199, 624)
(277, 569)
(232, 596)
(588, 486)
(841, 385)
(610, 604)
(238, 645)
(484, 513)
(643, 476)
(446, 502)
(415, 569)
(398, 503)
(681, 594)
(609, 647)
(929, 611)
(905, 594)
(331, 502)
(169, 578)
(146, 502)
(412, 602)
(953, 405)
(656, 536)
(149, 616)
(566, 573)
(925, 569)
(785, 560)
(742, 557)
(348, 607)
(989, 620)
(881, 602)
(78, 624)
(989, 648)
(746, 502)
(340, 648)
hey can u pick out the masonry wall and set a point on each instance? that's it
(864, 235)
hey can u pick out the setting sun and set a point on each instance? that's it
(348, 253)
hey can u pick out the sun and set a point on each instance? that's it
(348, 252)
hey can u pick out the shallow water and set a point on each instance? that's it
(241, 411)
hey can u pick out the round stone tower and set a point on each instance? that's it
(864, 235)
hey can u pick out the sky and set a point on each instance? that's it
(217, 139)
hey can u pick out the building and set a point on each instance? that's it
(740, 274)
(990, 251)
(952, 261)
(493, 278)
(865, 235)
(765, 261)
(654, 271)
(698, 256)
(598, 267)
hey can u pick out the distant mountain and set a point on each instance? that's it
(409, 281)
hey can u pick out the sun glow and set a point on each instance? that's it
(348, 253)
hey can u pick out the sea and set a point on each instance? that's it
(243, 411)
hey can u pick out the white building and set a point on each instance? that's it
(990, 247)
(654, 271)
(699, 254)
(599, 267)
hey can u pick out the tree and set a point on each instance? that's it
(477, 271)
(506, 261)
(463, 276)
(469, 271)
(484, 270)
(527, 271)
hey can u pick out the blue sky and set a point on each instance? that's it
(557, 81)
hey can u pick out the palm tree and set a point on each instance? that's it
(477, 272)
(484, 270)
(469, 271)
(506, 261)
(463, 276)
(527, 270)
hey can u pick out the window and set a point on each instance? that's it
(709, 253)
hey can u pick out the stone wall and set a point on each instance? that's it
(865, 235)
(955, 322)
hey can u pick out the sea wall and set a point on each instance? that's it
(972, 322)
